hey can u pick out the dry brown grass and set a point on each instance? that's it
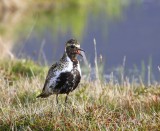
(93, 106)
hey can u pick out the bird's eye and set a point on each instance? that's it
(72, 46)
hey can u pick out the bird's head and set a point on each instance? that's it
(73, 49)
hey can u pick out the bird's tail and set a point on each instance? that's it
(42, 95)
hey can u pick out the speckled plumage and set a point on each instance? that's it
(64, 76)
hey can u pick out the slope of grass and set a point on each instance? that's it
(92, 106)
(14, 69)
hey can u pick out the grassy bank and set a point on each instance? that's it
(93, 106)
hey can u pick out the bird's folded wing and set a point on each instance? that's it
(51, 73)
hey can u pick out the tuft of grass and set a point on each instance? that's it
(92, 106)
(21, 68)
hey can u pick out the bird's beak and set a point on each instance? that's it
(79, 51)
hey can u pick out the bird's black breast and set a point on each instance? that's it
(67, 82)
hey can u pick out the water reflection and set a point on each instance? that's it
(61, 18)
(121, 28)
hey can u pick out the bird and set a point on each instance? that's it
(64, 76)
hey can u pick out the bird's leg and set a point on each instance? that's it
(57, 102)
(57, 98)
(66, 101)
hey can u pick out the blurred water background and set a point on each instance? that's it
(127, 33)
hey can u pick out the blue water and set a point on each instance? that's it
(134, 35)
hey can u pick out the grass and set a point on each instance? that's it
(94, 105)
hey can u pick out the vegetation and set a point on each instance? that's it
(94, 105)
(17, 68)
